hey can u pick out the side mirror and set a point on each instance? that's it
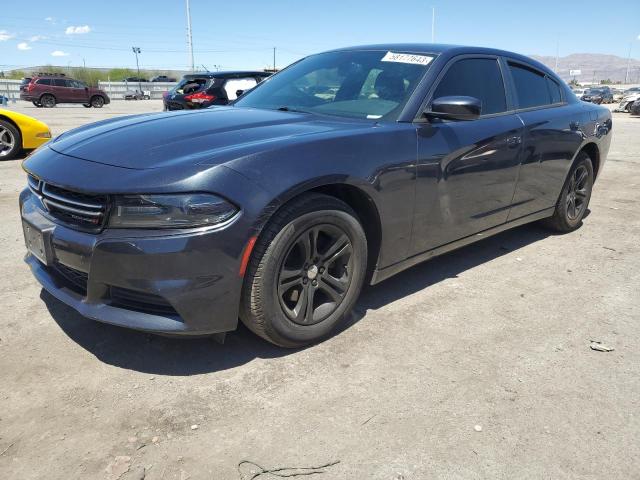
(455, 108)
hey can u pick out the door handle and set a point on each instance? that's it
(513, 142)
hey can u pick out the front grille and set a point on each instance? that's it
(74, 279)
(140, 301)
(78, 209)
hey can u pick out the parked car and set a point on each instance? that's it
(163, 78)
(137, 95)
(201, 90)
(634, 109)
(135, 79)
(20, 132)
(49, 90)
(578, 92)
(598, 95)
(617, 94)
(348, 166)
(4, 100)
(627, 101)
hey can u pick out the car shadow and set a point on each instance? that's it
(178, 356)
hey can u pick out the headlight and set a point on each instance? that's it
(170, 211)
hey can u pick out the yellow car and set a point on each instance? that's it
(18, 132)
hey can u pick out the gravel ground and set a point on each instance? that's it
(475, 365)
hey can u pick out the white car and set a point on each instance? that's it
(627, 101)
(578, 92)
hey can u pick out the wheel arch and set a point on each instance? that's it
(362, 203)
(593, 151)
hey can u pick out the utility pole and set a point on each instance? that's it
(137, 50)
(557, 53)
(433, 24)
(189, 36)
(274, 59)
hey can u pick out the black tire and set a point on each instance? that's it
(97, 101)
(48, 101)
(10, 141)
(86, 105)
(280, 280)
(574, 198)
(37, 104)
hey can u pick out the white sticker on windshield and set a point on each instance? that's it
(407, 58)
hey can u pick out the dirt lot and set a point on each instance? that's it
(475, 365)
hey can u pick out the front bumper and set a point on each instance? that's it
(183, 282)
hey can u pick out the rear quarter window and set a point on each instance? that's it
(554, 91)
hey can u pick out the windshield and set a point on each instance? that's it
(594, 91)
(358, 84)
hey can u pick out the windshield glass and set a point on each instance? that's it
(358, 84)
(190, 85)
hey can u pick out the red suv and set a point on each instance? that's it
(47, 90)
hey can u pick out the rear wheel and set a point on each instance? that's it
(86, 105)
(97, 101)
(37, 104)
(574, 199)
(10, 140)
(306, 271)
(48, 101)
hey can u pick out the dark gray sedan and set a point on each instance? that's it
(347, 167)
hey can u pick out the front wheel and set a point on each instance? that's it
(10, 141)
(97, 101)
(574, 198)
(306, 271)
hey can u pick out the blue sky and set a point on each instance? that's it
(242, 33)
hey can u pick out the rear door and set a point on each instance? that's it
(467, 170)
(552, 134)
(61, 91)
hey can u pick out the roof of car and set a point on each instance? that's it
(226, 74)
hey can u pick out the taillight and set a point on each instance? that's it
(30, 86)
(199, 97)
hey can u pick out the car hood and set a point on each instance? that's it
(209, 136)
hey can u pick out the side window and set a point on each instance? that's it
(531, 87)
(59, 82)
(475, 77)
(44, 81)
(554, 90)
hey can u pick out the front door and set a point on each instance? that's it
(467, 170)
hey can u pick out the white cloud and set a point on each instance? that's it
(59, 53)
(638, 37)
(4, 36)
(35, 38)
(24, 46)
(77, 30)
(50, 19)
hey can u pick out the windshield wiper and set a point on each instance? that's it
(284, 108)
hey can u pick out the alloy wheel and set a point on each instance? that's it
(315, 274)
(577, 193)
(7, 141)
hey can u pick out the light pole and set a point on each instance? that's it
(137, 50)
(189, 35)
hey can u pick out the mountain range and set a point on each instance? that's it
(594, 67)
